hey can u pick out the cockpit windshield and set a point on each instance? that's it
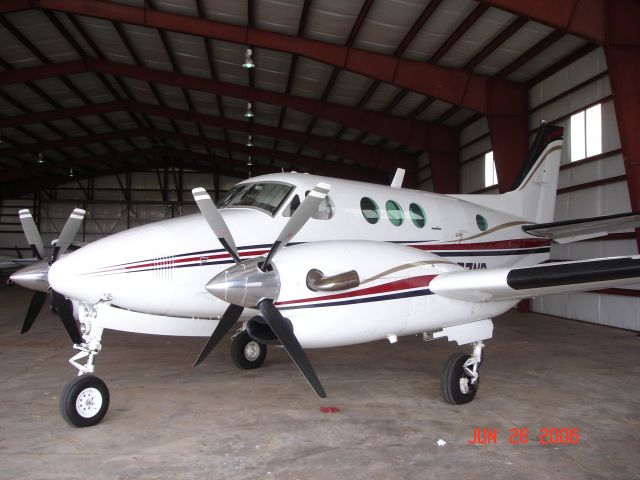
(266, 196)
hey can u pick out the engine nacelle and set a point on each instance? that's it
(259, 331)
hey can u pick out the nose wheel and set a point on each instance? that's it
(84, 401)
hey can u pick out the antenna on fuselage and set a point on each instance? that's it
(398, 178)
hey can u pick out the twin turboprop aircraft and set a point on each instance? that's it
(368, 262)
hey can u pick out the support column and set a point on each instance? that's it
(509, 129)
(445, 171)
(624, 74)
(443, 159)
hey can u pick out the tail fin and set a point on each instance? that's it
(534, 194)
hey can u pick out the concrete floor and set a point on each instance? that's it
(168, 420)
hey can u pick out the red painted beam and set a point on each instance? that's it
(460, 88)
(422, 135)
(509, 136)
(387, 160)
(624, 75)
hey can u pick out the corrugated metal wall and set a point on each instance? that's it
(555, 99)
(108, 211)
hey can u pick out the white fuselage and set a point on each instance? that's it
(162, 268)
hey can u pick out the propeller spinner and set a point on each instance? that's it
(255, 283)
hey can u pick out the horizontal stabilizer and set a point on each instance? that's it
(518, 283)
(575, 230)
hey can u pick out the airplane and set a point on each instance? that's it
(369, 262)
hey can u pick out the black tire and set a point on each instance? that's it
(84, 401)
(246, 353)
(450, 382)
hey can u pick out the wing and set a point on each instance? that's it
(518, 283)
(581, 229)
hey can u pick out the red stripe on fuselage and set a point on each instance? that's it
(404, 284)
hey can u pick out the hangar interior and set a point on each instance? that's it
(121, 107)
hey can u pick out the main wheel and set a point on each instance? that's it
(455, 383)
(84, 401)
(247, 353)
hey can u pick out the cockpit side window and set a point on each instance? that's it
(292, 207)
(265, 196)
(325, 209)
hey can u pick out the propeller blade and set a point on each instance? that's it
(229, 318)
(32, 233)
(285, 334)
(37, 301)
(68, 233)
(65, 310)
(305, 211)
(215, 221)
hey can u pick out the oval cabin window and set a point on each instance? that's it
(417, 215)
(369, 210)
(394, 212)
(482, 223)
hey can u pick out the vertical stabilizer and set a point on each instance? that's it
(534, 194)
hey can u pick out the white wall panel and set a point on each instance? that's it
(472, 176)
(590, 172)
(614, 310)
(474, 131)
(569, 77)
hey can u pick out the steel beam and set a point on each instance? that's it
(361, 153)
(465, 89)
(624, 75)
(422, 135)
(311, 164)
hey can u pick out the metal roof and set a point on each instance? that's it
(130, 84)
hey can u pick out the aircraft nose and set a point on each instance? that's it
(63, 276)
(33, 277)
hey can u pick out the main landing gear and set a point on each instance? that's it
(246, 353)
(85, 400)
(460, 377)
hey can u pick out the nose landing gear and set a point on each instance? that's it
(85, 400)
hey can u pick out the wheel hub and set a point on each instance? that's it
(464, 385)
(252, 351)
(89, 402)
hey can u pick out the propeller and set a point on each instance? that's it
(215, 221)
(32, 233)
(60, 304)
(254, 283)
(68, 233)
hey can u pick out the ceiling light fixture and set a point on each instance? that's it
(249, 112)
(40, 160)
(71, 174)
(248, 61)
(249, 141)
(249, 161)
